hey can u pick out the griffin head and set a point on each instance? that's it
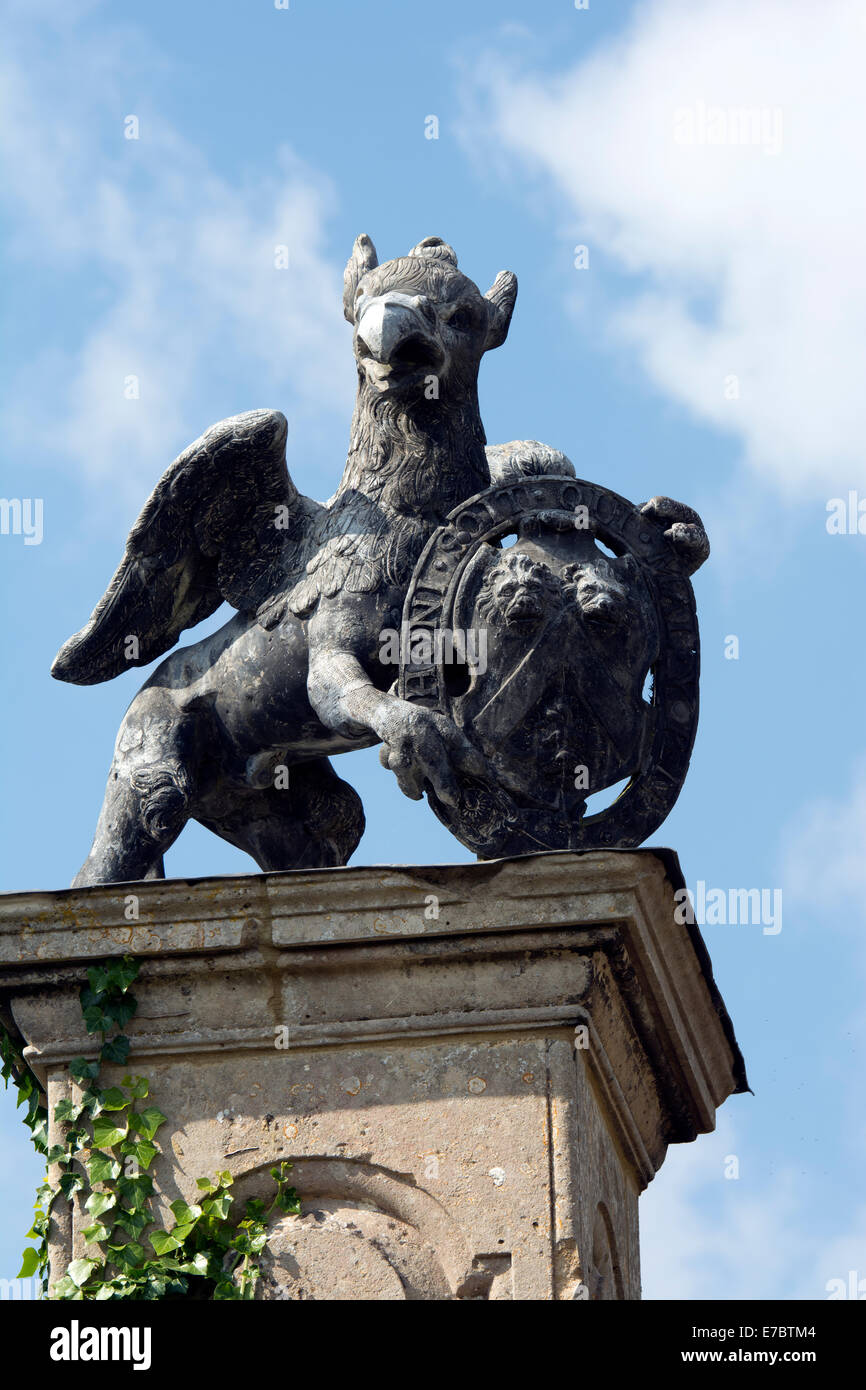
(418, 317)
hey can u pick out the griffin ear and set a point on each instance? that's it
(362, 259)
(500, 297)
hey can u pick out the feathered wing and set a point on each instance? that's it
(225, 521)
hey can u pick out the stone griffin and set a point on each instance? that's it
(236, 730)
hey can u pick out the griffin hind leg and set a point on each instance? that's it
(143, 813)
(148, 796)
(315, 822)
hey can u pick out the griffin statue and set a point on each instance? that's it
(236, 730)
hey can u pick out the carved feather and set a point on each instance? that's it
(225, 521)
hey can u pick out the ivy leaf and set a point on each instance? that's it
(288, 1201)
(39, 1227)
(138, 1085)
(39, 1135)
(135, 1191)
(204, 1184)
(117, 1050)
(99, 1202)
(81, 1070)
(29, 1263)
(25, 1089)
(120, 1011)
(147, 1122)
(38, 1126)
(65, 1111)
(117, 975)
(114, 1099)
(249, 1243)
(141, 1150)
(218, 1205)
(184, 1215)
(109, 1131)
(132, 1222)
(128, 1256)
(96, 1233)
(95, 1021)
(57, 1154)
(70, 1182)
(98, 977)
(91, 1101)
(80, 1271)
(182, 1233)
(88, 997)
(163, 1242)
(65, 1288)
(121, 973)
(225, 1179)
(102, 1168)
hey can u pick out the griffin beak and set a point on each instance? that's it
(396, 338)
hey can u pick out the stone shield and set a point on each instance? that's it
(555, 625)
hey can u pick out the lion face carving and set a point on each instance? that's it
(599, 591)
(517, 592)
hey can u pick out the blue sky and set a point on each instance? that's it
(712, 351)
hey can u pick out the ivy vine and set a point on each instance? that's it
(109, 1144)
(14, 1068)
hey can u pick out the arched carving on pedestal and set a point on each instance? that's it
(364, 1233)
(606, 1281)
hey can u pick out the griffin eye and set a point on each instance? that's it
(461, 320)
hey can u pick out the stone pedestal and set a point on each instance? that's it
(475, 1069)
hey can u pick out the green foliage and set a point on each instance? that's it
(107, 1151)
(15, 1069)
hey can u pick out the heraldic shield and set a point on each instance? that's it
(555, 624)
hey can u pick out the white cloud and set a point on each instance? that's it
(178, 260)
(823, 859)
(750, 261)
(844, 1260)
(770, 1233)
(705, 1236)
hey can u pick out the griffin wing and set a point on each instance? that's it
(225, 521)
